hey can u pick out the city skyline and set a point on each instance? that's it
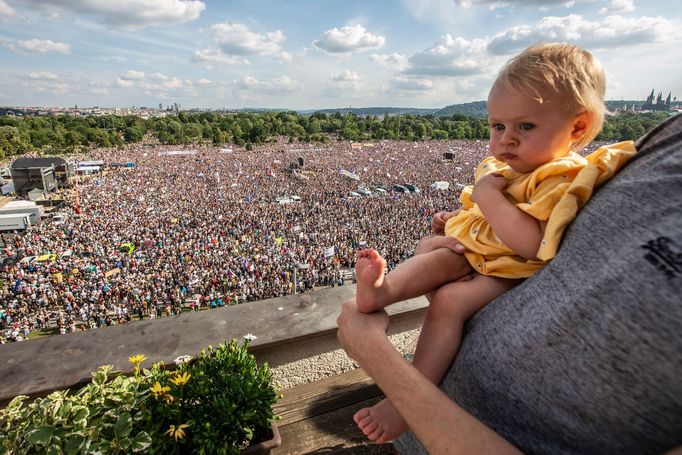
(303, 55)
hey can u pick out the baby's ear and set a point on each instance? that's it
(582, 123)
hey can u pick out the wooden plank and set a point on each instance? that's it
(310, 400)
(334, 432)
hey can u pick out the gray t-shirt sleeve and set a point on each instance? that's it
(586, 356)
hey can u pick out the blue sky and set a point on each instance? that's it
(315, 54)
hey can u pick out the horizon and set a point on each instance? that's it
(298, 56)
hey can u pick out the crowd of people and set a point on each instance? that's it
(207, 229)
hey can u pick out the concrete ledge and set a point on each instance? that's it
(38, 367)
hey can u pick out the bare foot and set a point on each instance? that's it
(369, 272)
(381, 423)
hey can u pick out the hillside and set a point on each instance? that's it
(475, 109)
(364, 111)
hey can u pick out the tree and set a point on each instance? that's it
(12, 141)
(133, 134)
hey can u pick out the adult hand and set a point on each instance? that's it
(359, 332)
(434, 242)
(493, 182)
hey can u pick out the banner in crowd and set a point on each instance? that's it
(329, 252)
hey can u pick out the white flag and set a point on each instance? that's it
(329, 252)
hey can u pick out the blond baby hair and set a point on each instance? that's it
(567, 70)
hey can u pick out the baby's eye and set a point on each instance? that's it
(497, 126)
(526, 126)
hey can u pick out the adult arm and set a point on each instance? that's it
(441, 425)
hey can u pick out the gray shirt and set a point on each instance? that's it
(586, 356)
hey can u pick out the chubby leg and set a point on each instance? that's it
(417, 276)
(438, 343)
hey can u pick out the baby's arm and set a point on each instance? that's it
(515, 228)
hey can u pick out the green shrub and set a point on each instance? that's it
(216, 403)
(222, 398)
(104, 417)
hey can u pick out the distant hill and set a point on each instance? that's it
(364, 111)
(475, 109)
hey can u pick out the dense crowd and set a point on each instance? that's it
(207, 229)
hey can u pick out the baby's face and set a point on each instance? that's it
(526, 132)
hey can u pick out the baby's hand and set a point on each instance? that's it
(491, 182)
(439, 219)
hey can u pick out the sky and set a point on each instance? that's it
(315, 54)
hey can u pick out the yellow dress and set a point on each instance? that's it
(554, 192)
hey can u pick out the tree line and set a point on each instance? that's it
(58, 134)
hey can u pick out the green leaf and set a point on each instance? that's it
(80, 413)
(40, 435)
(73, 445)
(141, 441)
(124, 443)
(123, 426)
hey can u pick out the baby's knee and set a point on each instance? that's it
(447, 302)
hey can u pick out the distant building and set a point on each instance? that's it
(657, 104)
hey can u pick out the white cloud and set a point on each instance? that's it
(38, 46)
(455, 14)
(284, 57)
(346, 80)
(275, 86)
(607, 33)
(132, 75)
(450, 57)
(286, 83)
(216, 56)
(124, 82)
(151, 82)
(112, 59)
(403, 83)
(204, 82)
(233, 41)
(48, 85)
(618, 6)
(158, 76)
(394, 60)
(237, 39)
(6, 11)
(131, 13)
(348, 39)
(494, 4)
(170, 83)
(42, 75)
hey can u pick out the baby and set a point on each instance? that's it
(546, 104)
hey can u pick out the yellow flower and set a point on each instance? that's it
(136, 360)
(176, 432)
(157, 390)
(181, 379)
